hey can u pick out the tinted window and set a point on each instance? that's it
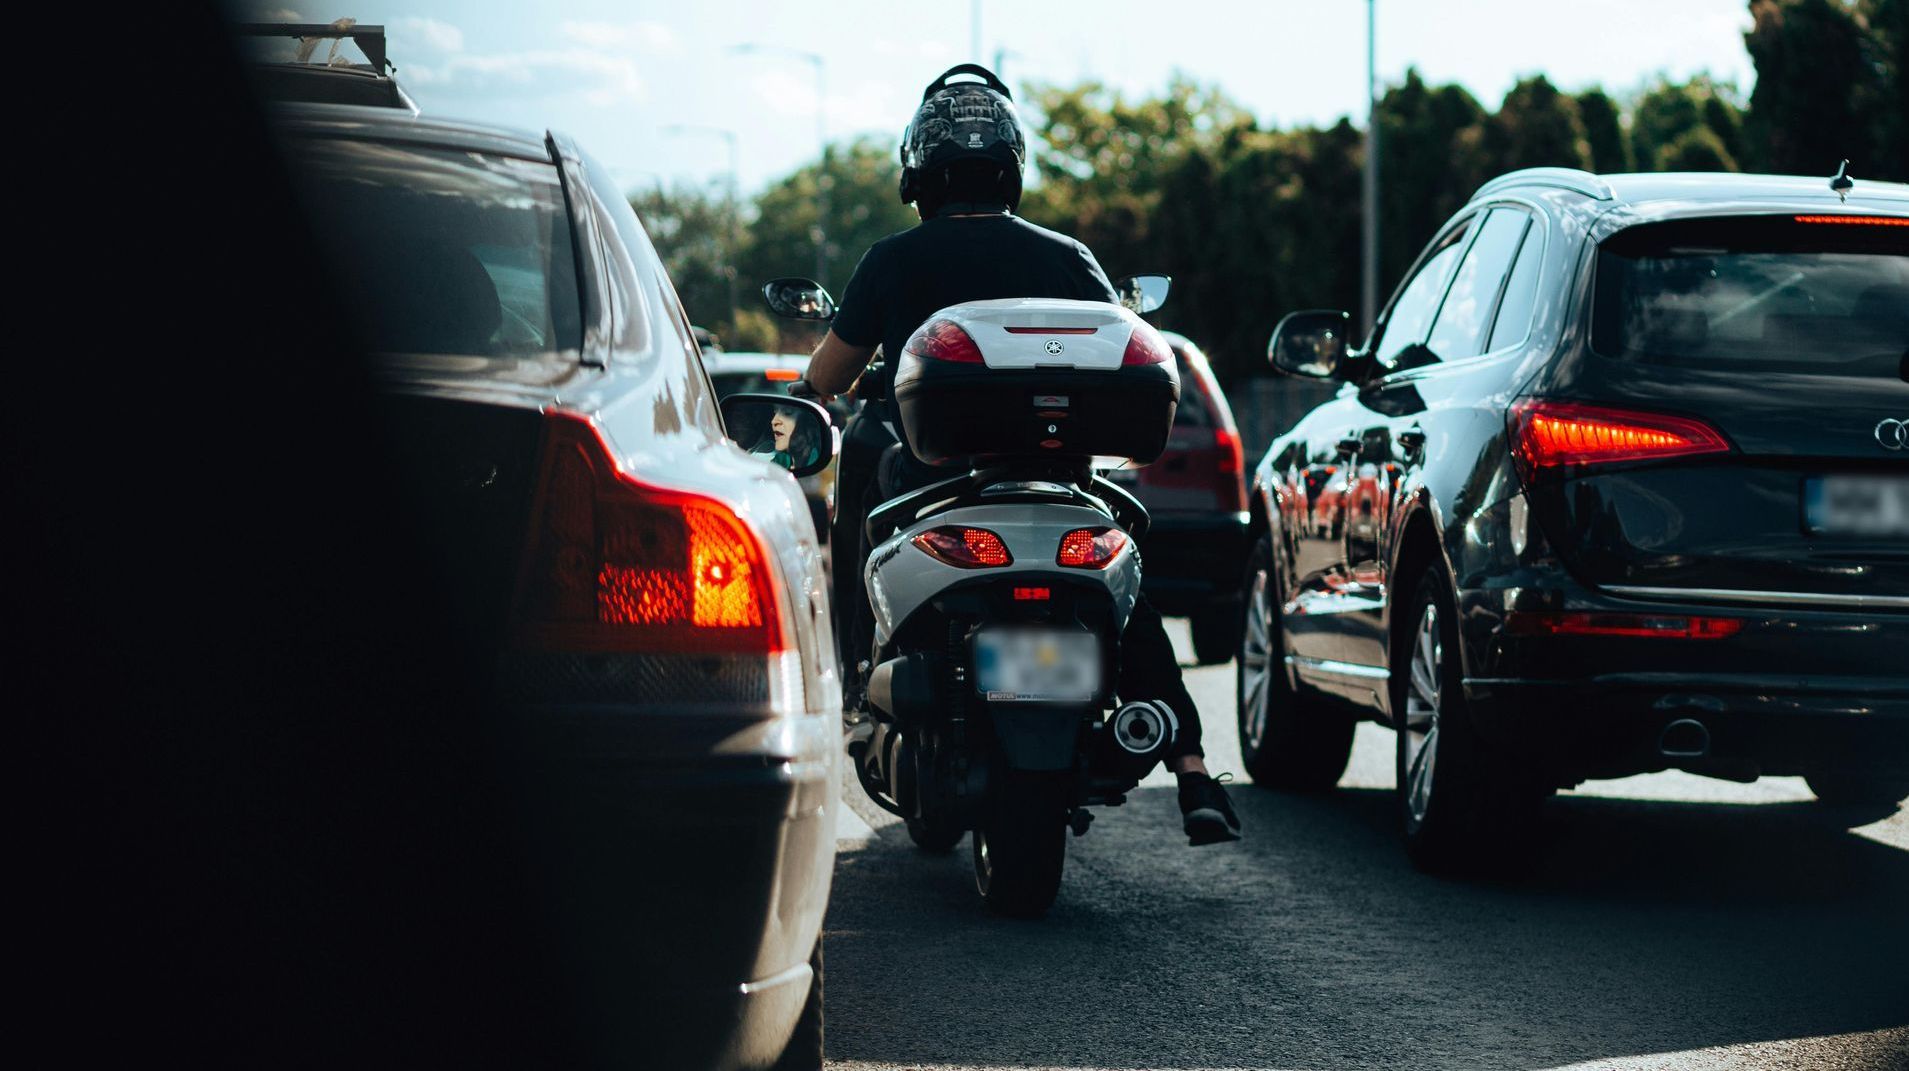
(1460, 329)
(1514, 309)
(1759, 294)
(444, 251)
(1406, 322)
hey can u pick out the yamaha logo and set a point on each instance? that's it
(1893, 434)
(1054, 347)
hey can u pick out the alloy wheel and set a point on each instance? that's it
(1421, 716)
(1256, 660)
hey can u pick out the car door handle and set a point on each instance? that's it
(1413, 439)
(1348, 447)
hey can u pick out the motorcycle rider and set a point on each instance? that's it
(962, 158)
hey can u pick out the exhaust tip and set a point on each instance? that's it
(1685, 738)
(1140, 727)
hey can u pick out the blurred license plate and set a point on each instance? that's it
(1030, 666)
(1857, 505)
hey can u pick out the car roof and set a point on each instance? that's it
(729, 362)
(1624, 200)
(393, 124)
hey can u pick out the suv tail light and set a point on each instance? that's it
(1090, 548)
(613, 564)
(964, 548)
(944, 340)
(1646, 626)
(1548, 436)
(1145, 346)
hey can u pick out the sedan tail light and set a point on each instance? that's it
(964, 548)
(1146, 346)
(1551, 437)
(1090, 548)
(613, 564)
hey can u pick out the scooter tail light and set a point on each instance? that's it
(944, 340)
(964, 548)
(1145, 346)
(1090, 548)
(1555, 437)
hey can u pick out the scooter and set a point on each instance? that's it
(1000, 594)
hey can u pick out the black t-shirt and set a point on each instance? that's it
(906, 277)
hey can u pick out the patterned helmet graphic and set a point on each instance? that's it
(964, 120)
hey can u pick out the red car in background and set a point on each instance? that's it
(1195, 549)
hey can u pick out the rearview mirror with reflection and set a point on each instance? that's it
(1311, 344)
(798, 299)
(794, 433)
(1143, 293)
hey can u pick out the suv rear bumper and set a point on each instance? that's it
(1192, 561)
(1795, 691)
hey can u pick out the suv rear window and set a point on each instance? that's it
(1766, 294)
(444, 251)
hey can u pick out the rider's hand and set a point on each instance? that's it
(802, 388)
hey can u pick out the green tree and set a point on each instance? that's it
(1430, 160)
(1536, 126)
(863, 207)
(1887, 46)
(1818, 89)
(693, 232)
(1667, 119)
(1604, 132)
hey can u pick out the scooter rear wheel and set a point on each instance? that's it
(934, 838)
(1022, 843)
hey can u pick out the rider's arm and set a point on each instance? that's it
(837, 365)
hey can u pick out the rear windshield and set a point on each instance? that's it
(1768, 294)
(441, 251)
(1192, 412)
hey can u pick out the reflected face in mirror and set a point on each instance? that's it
(791, 432)
(781, 427)
(799, 299)
(1143, 293)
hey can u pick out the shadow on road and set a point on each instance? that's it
(1635, 927)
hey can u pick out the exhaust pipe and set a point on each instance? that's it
(1136, 737)
(1685, 738)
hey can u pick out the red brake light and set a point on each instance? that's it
(1145, 346)
(1552, 435)
(944, 340)
(1051, 330)
(1090, 548)
(1033, 594)
(964, 548)
(1860, 221)
(614, 564)
(1647, 626)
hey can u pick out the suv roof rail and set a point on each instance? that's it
(369, 39)
(1564, 178)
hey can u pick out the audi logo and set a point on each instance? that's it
(1893, 434)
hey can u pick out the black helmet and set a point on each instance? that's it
(970, 120)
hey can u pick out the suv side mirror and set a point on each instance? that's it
(795, 433)
(1311, 344)
(798, 299)
(1143, 293)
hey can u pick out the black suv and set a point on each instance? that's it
(1618, 483)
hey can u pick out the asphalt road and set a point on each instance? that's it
(1666, 921)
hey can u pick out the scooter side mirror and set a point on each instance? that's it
(1143, 293)
(798, 299)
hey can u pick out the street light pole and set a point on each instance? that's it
(1369, 267)
(732, 267)
(820, 231)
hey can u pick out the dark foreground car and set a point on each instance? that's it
(655, 595)
(1618, 484)
(1196, 496)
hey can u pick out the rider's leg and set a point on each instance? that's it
(1150, 670)
(863, 441)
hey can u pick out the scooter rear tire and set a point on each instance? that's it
(1021, 845)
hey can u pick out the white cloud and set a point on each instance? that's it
(645, 36)
(432, 34)
(601, 79)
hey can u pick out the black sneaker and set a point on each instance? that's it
(1209, 814)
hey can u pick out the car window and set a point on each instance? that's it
(1459, 331)
(1412, 312)
(445, 251)
(1513, 323)
(1193, 412)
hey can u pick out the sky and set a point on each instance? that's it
(642, 85)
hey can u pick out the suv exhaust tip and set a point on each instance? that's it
(1685, 738)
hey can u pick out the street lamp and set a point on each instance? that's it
(735, 198)
(1369, 270)
(822, 180)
